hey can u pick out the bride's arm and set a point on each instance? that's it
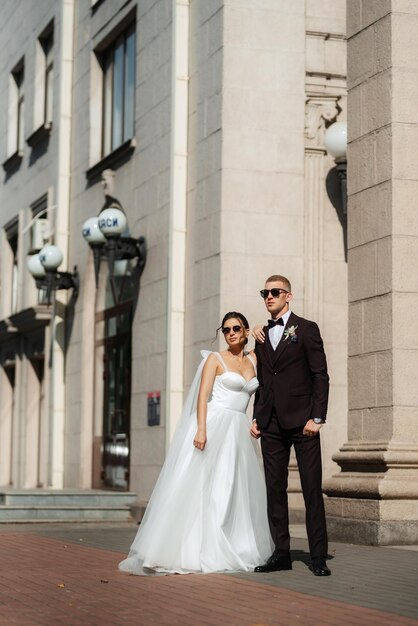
(206, 384)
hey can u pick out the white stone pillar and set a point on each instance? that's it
(177, 229)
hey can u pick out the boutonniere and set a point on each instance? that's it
(291, 333)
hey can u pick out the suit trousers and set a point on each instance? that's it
(276, 444)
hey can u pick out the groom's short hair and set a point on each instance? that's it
(276, 278)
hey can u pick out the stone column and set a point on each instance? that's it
(374, 498)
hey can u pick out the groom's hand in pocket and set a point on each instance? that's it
(311, 429)
(254, 431)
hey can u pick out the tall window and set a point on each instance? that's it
(12, 238)
(118, 63)
(18, 99)
(47, 43)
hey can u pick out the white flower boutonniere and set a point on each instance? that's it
(291, 333)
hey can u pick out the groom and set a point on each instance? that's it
(289, 408)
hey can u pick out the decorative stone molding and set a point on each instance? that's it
(320, 112)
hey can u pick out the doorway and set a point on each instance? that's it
(116, 397)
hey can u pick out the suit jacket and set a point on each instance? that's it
(293, 378)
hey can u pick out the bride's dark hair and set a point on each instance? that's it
(233, 315)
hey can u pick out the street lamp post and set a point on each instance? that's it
(43, 267)
(104, 236)
(335, 141)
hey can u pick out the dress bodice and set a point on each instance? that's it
(232, 391)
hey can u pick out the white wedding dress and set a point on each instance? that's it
(208, 511)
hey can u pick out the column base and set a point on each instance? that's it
(374, 499)
(371, 532)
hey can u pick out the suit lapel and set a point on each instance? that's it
(283, 342)
(270, 351)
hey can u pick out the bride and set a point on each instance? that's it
(208, 511)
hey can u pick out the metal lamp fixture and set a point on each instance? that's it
(104, 236)
(43, 267)
(335, 141)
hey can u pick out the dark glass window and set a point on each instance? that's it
(118, 65)
(18, 77)
(47, 43)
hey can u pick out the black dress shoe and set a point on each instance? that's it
(275, 563)
(318, 567)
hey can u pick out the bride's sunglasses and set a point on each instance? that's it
(264, 293)
(226, 330)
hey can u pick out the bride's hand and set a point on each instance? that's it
(258, 333)
(255, 431)
(199, 441)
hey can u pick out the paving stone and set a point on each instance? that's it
(67, 574)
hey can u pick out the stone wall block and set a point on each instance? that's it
(404, 6)
(362, 272)
(376, 97)
(405, 326)
(360, 57)
(365, 168)
(315, 54)
(369, 52)
(355, 328)
(405, 424)
(377, 323)
(371, 12)
(383, 39)
(404, 40)
(370, 214)
(377, 424)
(384, 265)
(362, 381)
(360, 509)
(263, 236)
(334, 506)
(405, 263)
(335, 56)
(208, 234)
(404, 94)
(254, 70)
(405, 143)
(354, 128)
(328, 12)
(266, 192)
(249, 150)
(355, 425)
(383, 155)
(376, 217)
(405, 368)
(401, 509)
(384, 379)
(405, 220)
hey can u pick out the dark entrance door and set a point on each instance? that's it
(117, 397)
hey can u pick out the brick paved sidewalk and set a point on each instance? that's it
(51, 575)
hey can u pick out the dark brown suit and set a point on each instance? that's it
(293, 388)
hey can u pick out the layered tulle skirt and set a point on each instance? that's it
(208, 511)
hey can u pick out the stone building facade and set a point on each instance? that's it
(211, 116)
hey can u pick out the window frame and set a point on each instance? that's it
(109, 142)
(46, 41)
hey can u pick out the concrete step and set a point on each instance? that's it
(27, 505)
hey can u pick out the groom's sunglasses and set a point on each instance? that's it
(226, 330)
(264, 293)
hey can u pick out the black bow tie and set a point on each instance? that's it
(273, 323)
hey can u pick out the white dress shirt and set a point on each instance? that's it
(276, 332)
